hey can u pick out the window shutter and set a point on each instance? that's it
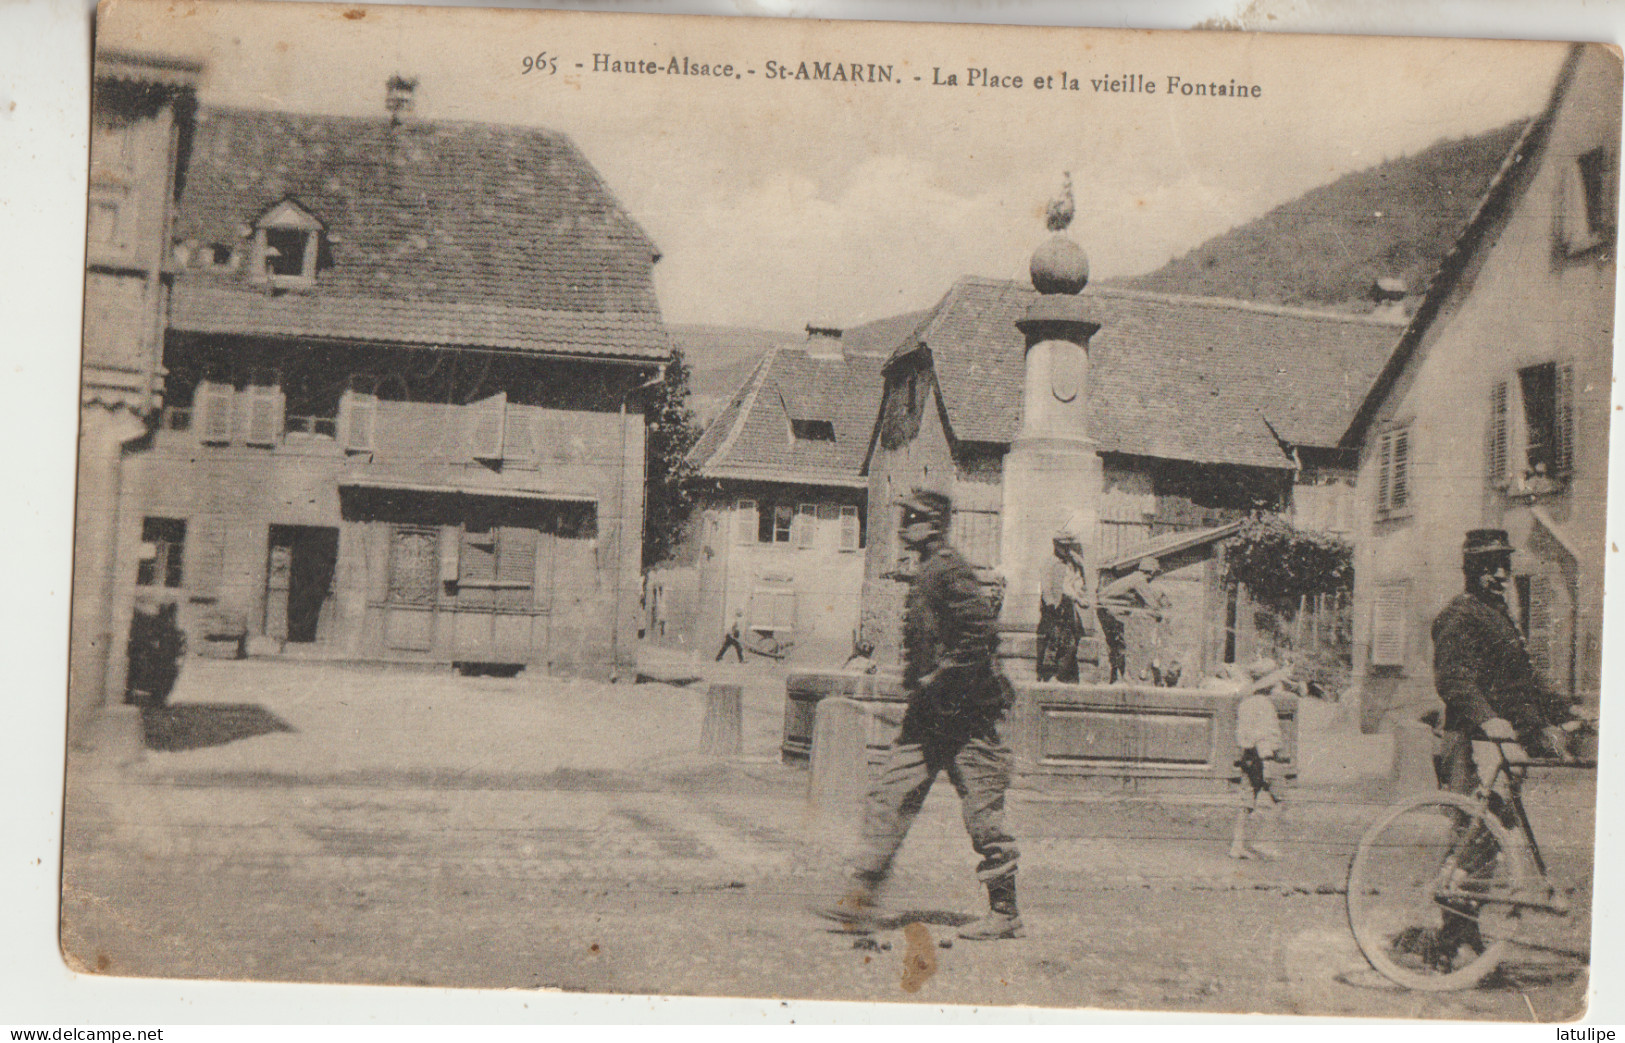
(1385, 450)
(361, 431)
(214, 400)
(449, 557)
(1498, 433)
(1388, 612)
(1563, 422)
(485, 423)
(264, 410)
(1399, 486)
(516, 567)
(745, 521)
(477, 567)
(517, 441)
(849, 528)
(361, 413)
(203, 568)
(1539, 623)
(807, 523)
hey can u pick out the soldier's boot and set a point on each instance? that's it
(1002, 920)
(855, 911)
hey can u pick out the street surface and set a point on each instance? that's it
(323, 823)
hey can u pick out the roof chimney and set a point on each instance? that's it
(398, 98)
(1388, 294)
(823, 340)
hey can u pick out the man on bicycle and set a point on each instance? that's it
(1483, 673)
(1482, 669)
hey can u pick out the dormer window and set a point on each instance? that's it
(287, 241)
(813, 430)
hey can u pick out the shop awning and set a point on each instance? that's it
(1171, 545)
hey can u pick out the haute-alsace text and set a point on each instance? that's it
(677, 66)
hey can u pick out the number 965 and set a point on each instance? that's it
(541, 63)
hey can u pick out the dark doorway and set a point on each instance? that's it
(299, 582)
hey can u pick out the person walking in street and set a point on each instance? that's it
(731, 640)
(1491, 691)
(957, 701)
(1258, 733)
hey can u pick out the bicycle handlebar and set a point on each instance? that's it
(1527, 761)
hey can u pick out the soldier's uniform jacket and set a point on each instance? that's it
(948, 628)
(1481, 669)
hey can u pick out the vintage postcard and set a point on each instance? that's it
(842, 511)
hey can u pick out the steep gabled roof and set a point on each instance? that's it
(1492, 211)
(752, 438)
(446, 233)
(1181, 378)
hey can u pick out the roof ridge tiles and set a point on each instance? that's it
(410, 124)
(1202, 300)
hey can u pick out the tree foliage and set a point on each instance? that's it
(672, 431)
(1280, 562)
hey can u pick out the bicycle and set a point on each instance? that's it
(1436, 862)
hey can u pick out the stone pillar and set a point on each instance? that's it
(105, 542)
(1052, 474)
(839, 775)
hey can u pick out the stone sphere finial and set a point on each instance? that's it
(1060, 265)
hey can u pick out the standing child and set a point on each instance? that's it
(1258, 733)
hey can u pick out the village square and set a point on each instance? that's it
(444, 614)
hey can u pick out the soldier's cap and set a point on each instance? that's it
(1149, 565)
(929, 504)
(1486, 541)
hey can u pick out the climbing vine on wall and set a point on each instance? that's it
(1279, 562)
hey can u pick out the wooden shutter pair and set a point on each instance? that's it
(1499, 457)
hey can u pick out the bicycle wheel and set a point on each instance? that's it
(1430, 892)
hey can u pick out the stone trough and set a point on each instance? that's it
(1167, 737)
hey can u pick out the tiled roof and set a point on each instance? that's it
(434, 232)
(1182, 378)
(751, 439)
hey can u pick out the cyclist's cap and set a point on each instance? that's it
(1486, 541)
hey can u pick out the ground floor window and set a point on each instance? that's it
(773, 610)
(496, 566)
(163, 543)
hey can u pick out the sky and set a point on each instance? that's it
(780, 203)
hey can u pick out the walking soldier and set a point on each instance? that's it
(957, 701)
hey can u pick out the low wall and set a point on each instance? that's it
(1082, 730)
